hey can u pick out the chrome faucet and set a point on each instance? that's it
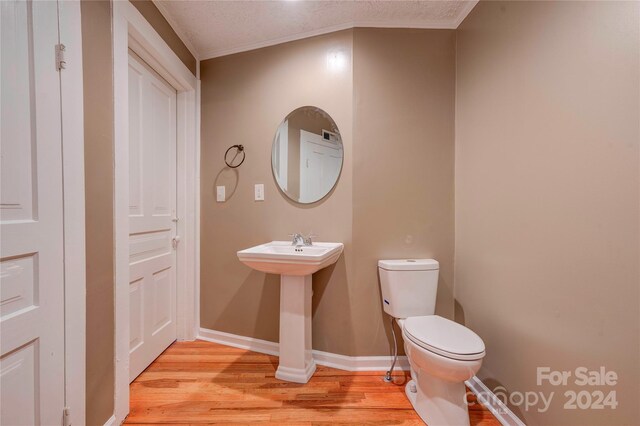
(300, 240)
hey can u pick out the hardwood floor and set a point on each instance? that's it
(201, 382)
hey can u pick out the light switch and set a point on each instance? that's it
(259, 192)
(220, 194)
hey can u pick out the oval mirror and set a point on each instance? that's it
(307, 153)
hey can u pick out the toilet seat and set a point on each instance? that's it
(444, 337)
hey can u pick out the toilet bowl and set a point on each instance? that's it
(442, 353)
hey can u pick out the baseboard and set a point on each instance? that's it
(111, 421)
(242, 342)
(359, 363)
(494, 404)
(328, 359)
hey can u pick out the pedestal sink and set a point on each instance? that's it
(295, 266)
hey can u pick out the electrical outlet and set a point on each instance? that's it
(220, 194)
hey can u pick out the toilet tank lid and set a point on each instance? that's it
(409, 264)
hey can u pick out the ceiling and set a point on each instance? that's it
(217, 28)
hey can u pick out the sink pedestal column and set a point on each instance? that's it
(296, 361)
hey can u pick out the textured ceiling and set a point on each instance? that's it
(216, 28)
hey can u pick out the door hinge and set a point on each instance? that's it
(66, 416)
(61, 63)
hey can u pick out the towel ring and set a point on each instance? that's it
(240, 149)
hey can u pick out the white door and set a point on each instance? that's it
(152, 213)
(31, 217)
(280, 158)
(320, 165)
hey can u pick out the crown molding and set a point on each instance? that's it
(215, 53)
(176, 27)
(464, 12)
(218, 52)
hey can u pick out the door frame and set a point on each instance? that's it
(132, 31)
(75, 291)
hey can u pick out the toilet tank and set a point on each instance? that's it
(409, 286)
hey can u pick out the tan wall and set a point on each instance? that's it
(547, 195)
(244, 98)
(160, 24)
(98, 129)
(403, 195)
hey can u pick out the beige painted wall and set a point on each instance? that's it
(403, 195)
(98, 132)
(98, 127)
(244, 98)
(547, 195)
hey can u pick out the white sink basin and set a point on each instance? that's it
(280, 257)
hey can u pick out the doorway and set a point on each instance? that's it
(152, 215)
(166, 239)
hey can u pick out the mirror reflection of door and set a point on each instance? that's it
(307, 155)
(280, 155)
(320, 161)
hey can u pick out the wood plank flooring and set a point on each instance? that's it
(201, 382)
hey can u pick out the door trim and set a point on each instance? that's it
(71, 89)
(131, 30)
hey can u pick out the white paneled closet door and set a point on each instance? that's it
(31, 217)
(320, 164)
(152, 215)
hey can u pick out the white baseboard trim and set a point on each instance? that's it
(494, 404)
(111, 421)
(236, 341)
(341, 362)
(359, 363)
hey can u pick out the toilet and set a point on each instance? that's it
(442, 354)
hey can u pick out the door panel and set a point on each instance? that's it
(152, 204)
(136, 314)
(31, 217)
(320, 162)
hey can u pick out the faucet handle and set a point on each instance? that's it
(307, 239)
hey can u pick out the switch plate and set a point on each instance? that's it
(259, 192)
(220, 194)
